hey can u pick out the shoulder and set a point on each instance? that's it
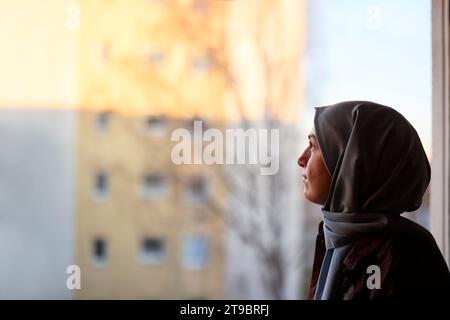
(407, 258)
(403, 239)
(408, 240)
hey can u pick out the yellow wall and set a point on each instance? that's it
(127, 81)
(115, 74)
(46, 64)
(38, 58)
(126, 153)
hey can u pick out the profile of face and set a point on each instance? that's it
(316, 178)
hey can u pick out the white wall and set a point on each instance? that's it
(36, 202)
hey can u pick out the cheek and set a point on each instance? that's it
(317, 174)
(312, 169)
(316, 187)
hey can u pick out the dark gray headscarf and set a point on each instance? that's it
(379, 170)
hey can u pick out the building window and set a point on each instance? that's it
(99, 252)
(101, 186)
(155, 57)
(196, 189)
(155, 125)
(201, 63)
(200, 6)
(152, 251)
(195, 252)
(102, 122)
(199, 125)
(153, 186)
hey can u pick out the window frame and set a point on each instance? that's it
(190, 246)
(440, 165)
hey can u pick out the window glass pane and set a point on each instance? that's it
(153, 186)
(102, 122)
(155, 125)
(196, 189)
(152, 251)
(99, 251)
(90, 110)
(371, 50)
(101, 186)
(195, 252)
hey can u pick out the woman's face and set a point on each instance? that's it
(316, 178)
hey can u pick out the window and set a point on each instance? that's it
(201, 63)
(101, 187)
(155, 57)
(195, 252)
(155, 125)
(200, 6)
(99, 252)
(153, 186)
(152, 251)
(196, 189)
(101, 122)
(197, 126)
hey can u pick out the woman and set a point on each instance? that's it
(365, 165)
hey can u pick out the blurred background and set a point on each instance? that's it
(91, 91)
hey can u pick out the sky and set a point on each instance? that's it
(370, 50)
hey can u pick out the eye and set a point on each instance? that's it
(310, 145)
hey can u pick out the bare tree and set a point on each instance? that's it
(259, 59)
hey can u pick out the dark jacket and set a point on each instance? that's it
(409, 268)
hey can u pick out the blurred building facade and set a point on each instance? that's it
(145, 228)
(113, 202)
(37, 137)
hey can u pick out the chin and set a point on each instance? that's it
(312, 198)
(308, 197)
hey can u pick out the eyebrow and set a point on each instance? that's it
(311, 136)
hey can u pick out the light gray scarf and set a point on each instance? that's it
(340, 231)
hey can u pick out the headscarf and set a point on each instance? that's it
(379, 170)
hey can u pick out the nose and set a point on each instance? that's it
(304, 157)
